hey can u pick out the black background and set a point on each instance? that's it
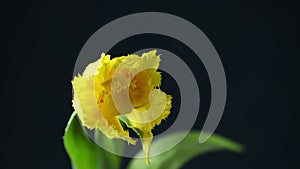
(257, 43)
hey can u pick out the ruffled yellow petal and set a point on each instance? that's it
(92, 113)
(107, 70)
(141, 86)
(133, 64)
(146, 120)
(84, 101)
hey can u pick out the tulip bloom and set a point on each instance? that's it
(99, 91)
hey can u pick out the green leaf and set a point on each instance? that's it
(85, 154)
(127, 122)
(186, 150)
(112, 145)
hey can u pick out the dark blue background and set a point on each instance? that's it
(257, 43)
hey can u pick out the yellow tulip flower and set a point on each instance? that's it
(95, 91)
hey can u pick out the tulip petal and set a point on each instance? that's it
(85, 102)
